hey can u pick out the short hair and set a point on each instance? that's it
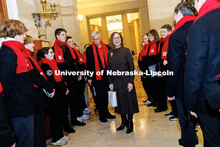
(94, 33)
(68, 37)
(28, 39)
(58, 31)
(155, 34)
(168, 27)
(41, 52)
(111, 44)
(11, 28)
(86, 45)
(185, 8)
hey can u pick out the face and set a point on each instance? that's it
(30, 46)
(150, 37)
(198, 4)
(116, 40)
(97, 40)
(49, 55)
(70, 42)
(178, 16)
(86, 47)
(20, 38)
(164, 32)
(145, 39)
(62, 36)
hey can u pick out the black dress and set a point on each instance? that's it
(120, 59)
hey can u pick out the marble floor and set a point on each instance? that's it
(150, 129)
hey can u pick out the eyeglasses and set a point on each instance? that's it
(96, 39)
(192, 3)
(116, 38)
(51, 52)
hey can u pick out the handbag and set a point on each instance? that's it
(112, 98)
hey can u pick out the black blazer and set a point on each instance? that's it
(18, 88)
(203, 60)
(176, 60)
(90, 61)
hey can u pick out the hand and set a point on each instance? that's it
(90, 82)
(52, 94)
(165, 62)
(193, 114)
(79, 78)
(130, 87)
(67, 91)
(171, 98)
(219, 110)
(13, 145)
(111, 86)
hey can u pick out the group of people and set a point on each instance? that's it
(30, 88)
(190, 51)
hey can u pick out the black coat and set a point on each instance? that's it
(18, 88)
(176, 60)
(203, 60)
(121, 59)
(90, 61)
(38, 91)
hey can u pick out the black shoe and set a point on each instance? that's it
(124, 122)
(78, 123)
(173, 118)
(181, 142)
(109, 116)
(130, 124)
(103, 119)
(157, 110)
(169, 114)
(151, 104)
(69, 129)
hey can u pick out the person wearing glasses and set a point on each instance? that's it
(96, 55)
(120, 59)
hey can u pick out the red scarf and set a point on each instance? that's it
(182, 21)
(208, 6)
(152, 51)
(23, 63)
(59, 52)
(1, 88)
(53, 66)
(80, 59)
(28, 53)
(97, 66)
(84, 56)
(143, 52)
(164, 48)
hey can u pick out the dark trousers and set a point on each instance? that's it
(161, 93)
(174, 107)
(39, 129)
(210, 125)
(188, 133)
(149, 85)
(76, 100)
(56, 126)
(24, 130)
(101, 98)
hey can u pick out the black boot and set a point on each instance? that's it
(124, 122)
(130, 124)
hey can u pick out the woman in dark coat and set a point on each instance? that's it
(119, 58)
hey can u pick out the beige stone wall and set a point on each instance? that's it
(67, 18)
(161, 12)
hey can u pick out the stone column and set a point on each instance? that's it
(126, 32)
(104, 34)
(144, 21)
(69, 16)
(137, 38)
(85, 31)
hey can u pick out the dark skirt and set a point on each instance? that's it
(127, 101)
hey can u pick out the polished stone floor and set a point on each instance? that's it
(150, 129)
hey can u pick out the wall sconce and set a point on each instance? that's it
(38, 15)
(80, 17)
